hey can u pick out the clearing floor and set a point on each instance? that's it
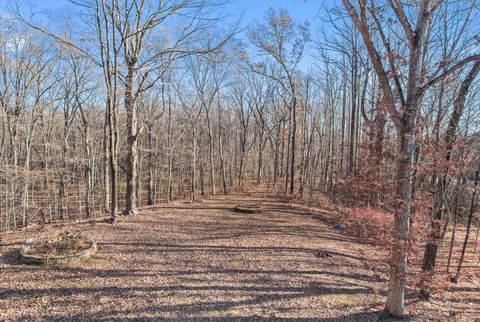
(205, 262)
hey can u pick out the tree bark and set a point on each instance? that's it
(353, 101)
(194, 165)
(398, 262)
(113, 143)
(132, 153)
(210, 154)
(106, 159)
(294, 135)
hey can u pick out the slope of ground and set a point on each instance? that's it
(206, 262)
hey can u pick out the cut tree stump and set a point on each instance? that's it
(248, 209)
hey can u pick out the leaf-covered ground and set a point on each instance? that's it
(206, 262)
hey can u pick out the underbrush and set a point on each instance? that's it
(372, 225)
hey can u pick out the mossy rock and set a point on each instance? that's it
(58, 251)
(248, 209)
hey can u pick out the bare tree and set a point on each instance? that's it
(402, 101)
(284, 41)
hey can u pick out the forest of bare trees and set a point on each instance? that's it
(135, 103)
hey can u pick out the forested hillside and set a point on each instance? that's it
(368, 112)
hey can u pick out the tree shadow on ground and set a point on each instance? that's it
(355, 317)
(195, 310)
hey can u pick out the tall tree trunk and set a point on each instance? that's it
(132, 153)
(138, 190)
(113, 144)
(26, 177)
(241, 170)
(303, 149)
(294, 135)
(150, 171)
(261, 146)
(398, 262)
(202, 176)
(210, 154)
(287, 154)
(194, 165)
(469, 224)
(276, 149)
(344, 107)
(332, 146)
(220, 148)
(106, 159)
(353, 117)
(150, 192)
(170, 153)
(88, 172)
(282, 149)
(61, 189)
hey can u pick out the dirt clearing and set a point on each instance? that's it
(206, 262)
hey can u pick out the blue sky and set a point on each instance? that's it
(253, 10)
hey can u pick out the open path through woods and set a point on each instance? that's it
(204, 262)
